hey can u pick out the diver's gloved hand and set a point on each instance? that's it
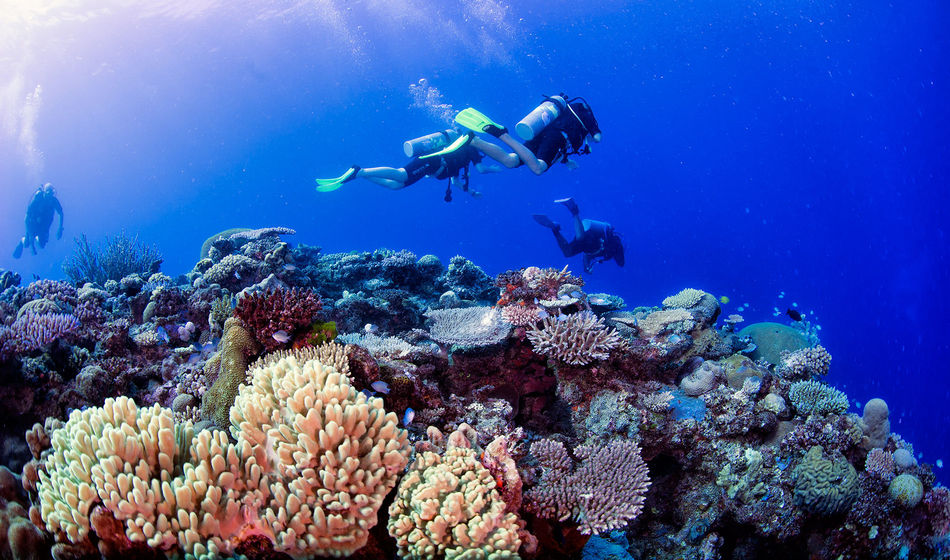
(59, 233)
(495, 130)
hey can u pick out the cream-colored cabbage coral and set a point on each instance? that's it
(332, 454)
(313, 461)
(447, 507)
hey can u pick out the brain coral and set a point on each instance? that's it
(825, 487)
(447, 507)
(313, 460)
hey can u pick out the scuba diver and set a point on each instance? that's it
(555, 130)
(443, 155)
(39, 218)
(597, 240)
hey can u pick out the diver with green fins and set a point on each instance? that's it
(443, 155)
(555, 130)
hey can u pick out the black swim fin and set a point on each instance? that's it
(18, 252)
(545, 221)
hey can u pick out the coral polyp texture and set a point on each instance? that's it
(447, 507)
(206, 416)
(276, 311)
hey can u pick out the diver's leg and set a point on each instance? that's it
(536, 165)
(508, 159)
(569, 248)
(18, 252)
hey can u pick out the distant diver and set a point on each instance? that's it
(555, 130)
(597, 240)
(39, 218)
(443, 155)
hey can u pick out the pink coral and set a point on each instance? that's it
(277, 310)
(32, 331)
(521, 315)
(880, 464)
(605, 492)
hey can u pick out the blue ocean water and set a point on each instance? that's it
(778, 153)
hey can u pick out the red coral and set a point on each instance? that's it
(277, 310)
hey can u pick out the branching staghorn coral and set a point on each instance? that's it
(579, 339)
(604, 492)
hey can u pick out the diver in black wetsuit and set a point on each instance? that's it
(451, 163)
(553, 131)
(597, 240)
(39, 218)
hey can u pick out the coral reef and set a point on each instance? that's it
(207, 418)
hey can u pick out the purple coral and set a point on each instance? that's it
(32, 331)
(605, 492)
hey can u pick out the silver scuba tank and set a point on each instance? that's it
(429, 143)
(542, 115)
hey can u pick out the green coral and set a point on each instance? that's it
(907, 490)
(227, 368)
(823, 486)
(812, 397)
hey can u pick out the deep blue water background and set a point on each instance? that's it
(750, 148)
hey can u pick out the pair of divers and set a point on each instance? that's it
(556, 129)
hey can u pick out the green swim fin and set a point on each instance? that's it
(460, 142)
(329, 185)
(472, 119)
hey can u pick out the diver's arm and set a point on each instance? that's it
(495, 152)
(588, 263)
(59, 208)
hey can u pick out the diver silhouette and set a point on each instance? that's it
(597, 240)
(39, 218)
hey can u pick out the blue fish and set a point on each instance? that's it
(380, 387)
(408, 417)
(162, 334)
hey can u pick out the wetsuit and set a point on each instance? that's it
(445, 166)
(39, 218)
(565, 135)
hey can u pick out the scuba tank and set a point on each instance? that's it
(429, 143)
(542, 115)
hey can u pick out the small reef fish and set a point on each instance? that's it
(290, 267)
(380, 387)
(794, 314)
(408, 417)
(596, 301)
(281, 337)
(370, 328)
(724, 299)
(367, 392)
(162, 334)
